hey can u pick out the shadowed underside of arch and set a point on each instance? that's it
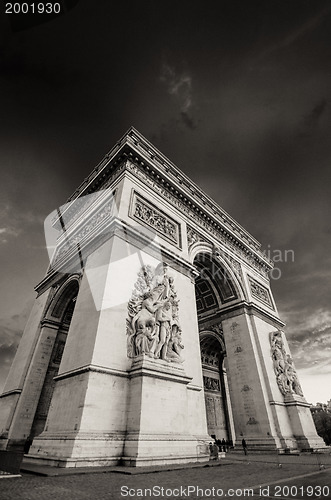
(212, 351)
(213, 286)
(65, 302)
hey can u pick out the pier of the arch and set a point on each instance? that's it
(37, 363)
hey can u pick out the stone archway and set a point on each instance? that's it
(215, 289)
(59, 315)
(214, 382)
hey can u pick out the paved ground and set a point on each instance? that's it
(236, 477)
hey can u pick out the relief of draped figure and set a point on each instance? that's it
(286, 375)
(153, 325)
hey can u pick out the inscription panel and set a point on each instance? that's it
(247, 412)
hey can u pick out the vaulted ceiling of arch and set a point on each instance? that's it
(205, 296)
(213, 282)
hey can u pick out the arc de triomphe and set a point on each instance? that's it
(153, 329)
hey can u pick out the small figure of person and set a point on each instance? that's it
(244, 445)
(223, 445)
(213, 450)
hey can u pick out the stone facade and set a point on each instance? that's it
(153, 329)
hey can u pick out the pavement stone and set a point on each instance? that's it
(235, 473)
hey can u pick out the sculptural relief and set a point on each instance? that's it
(211, 384)
(286, 375)
(153, 325)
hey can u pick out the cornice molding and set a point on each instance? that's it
(243, 307)
(91, 368)
(10, 393)
(94, 237)
(173, 185)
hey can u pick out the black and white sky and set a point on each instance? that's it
(235, 92)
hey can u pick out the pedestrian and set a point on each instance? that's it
(223, 445)
(213, 449)
(244, 445)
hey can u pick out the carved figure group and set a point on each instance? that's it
(153, 325)
(286, 375)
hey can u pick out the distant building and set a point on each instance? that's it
(321, 407)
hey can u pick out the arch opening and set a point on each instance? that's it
(214, 289)
(63, 309)
(213, 363)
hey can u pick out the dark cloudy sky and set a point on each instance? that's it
(235, 92)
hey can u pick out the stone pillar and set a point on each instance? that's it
(302, 423)
(27, 405)
(157, 415)
(250, 403)
(264, 415)
(20, 396)
(232, 432)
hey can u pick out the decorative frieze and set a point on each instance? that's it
(259, 292)
(210, 358)
(211, 384)
(171, 172)
(217, 328)
(146, 212)
(83, 231)
(194, 237)
(198, 218)
(68, 214)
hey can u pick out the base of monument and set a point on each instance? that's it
(157, 430)
(72, 453)
(76, 449)
(148, 450)
(155, 461)
(71, 462)
(113, 461)
(302, 423)
(309, 445)
(257, 444)
(288, 451)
